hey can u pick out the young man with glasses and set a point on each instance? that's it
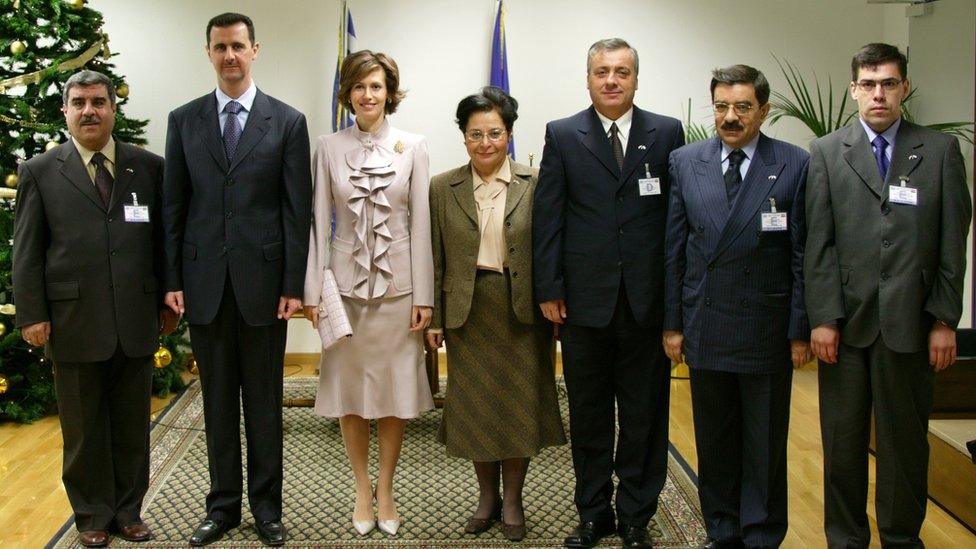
(888, 213)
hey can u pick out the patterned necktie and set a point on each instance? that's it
(733, 179)
(880, 144)
(232, 128)
(103, 178)
(618, 149)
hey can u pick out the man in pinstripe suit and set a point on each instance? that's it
(734, 306)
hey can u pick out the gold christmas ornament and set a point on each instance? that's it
(11, 180)
(50, 145)
(4, 384)
(17, 47)
(3, 329)
(76, 4)
(8, 309)
(122, 91)
(163, 357)
(191, 366)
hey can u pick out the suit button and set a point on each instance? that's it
(511, 250)
(113, 252)
(621, 231)
(508, 223)
(711, 267)
(230, 215)
(620, 199)
(887, 243)
(708, 302)
(701, 229)
(230, 182)
(745, 304)
(109, 220)
(885, 276)
(885, 209)
(746, 270)
(515, 275)
(620, 263)
(223, 249)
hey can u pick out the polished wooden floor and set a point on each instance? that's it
(33, 505)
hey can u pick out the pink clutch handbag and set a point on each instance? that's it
(333, 322)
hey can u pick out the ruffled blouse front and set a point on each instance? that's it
(371, 166)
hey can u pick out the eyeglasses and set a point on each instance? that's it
(888, 85)
(476, 136)
(741, 109)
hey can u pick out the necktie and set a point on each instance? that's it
(880, 144)
(103, 178)
(733, 179)
(618, 149)
(232, 128)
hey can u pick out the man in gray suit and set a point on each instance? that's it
(734, 305)
(86, 265)
(888, 212)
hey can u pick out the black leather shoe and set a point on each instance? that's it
(634, 536)
(209, 531)
(271, 532)
(728, 544)
(588, 534)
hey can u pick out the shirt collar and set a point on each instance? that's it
(504, 175)
(86, 155)
(246, 99)
(889, 134)
(623, 123)
(749, 148)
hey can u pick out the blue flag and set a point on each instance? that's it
(347, 36)
(499, 60)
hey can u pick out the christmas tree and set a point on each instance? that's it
(43, 42)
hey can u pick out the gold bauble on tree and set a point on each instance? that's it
(3, 329)
(50, 145)
(17, 47)
(163, 357)
(76, 4)
(4, 384)
(191, 366)
(122, 91)
(11, 180)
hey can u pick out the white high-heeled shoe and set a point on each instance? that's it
(389, 526)
(364, 527)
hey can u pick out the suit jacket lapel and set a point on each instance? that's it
(516, 190)
(124, 172)
(593, 138)
(711, 184)
(255, 128)
(907, 154)
(639, 143)
(860, 157)
(462, 187)
(762, 175)
(75, 172)
(211, 132)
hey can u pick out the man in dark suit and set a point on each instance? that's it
(598, 236)
(87, 257)
(888, 212)
(237, 205)
(734, 305)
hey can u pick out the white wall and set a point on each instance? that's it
(442, 48)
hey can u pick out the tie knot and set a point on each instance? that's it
(614, 130)
(233, 107)
(99, 159)
(736, 157)
(880, 142)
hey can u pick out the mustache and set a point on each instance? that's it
(731, 126)
(90, 120)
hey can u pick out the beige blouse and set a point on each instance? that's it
(490, 197)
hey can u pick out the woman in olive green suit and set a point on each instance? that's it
(501, 404)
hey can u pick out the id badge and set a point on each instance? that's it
(903, 195)
(649, 186)
(136, 213)
(773, 221)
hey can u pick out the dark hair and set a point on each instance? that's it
(610, 44)
(358, 65)
(490, 98)
(85, 78)
(230, 19)
(875, 54)
(742, 74)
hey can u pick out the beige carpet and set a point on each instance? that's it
(435, 493)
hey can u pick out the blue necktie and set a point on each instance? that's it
(733, 178)
(232, 128)
(880, 157)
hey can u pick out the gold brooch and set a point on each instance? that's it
(398, 147)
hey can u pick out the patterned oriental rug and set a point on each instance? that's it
(435, 493)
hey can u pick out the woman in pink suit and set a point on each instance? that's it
(375, 178)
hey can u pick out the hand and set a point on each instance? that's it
(435, 340)
(801, 352)
(554, 310)
(174, 300)
(942, 346)
(824, 340)
(673, 342)
(312, 314)
(288, 306)
(36, 334)
(168, 321)
(420, 317)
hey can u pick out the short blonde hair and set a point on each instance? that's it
(358, 65)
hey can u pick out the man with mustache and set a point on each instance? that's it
(598, 242)
(87, 259)
(237, 208)
(888, 213)
(734, 307)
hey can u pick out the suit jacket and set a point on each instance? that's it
(592, 230)
(81, 265)
(388, 255)
(735, 291)
(247, 217)
(875, 266)
(457, 239)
